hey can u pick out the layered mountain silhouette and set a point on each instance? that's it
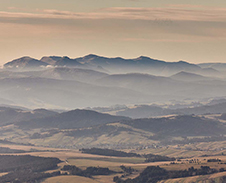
(66, 73)
(75, 87)
(53, 93)
(95, 81)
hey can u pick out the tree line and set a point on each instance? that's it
(111, 152)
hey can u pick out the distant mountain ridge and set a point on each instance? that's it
(141, 64)
(66, 73)
(186, 76)
(217, 66)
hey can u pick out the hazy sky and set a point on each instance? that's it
(172, 30)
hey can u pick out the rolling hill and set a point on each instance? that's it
(14, 115)
(71, 120)
(186, 76)
(144, 111)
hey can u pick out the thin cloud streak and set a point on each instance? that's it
(173, 13)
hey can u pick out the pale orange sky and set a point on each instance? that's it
(168, 30)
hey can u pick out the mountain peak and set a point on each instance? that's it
(25, 62)
(66, 57)
(144, 57)
(91, 56)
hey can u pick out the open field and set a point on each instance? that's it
(69, 179)
(112, 163)
(105, 179)
(1, 174)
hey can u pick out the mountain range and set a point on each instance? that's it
(116, 65)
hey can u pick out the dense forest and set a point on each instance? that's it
(109, 152)
(89, 172)
(155, 158)
(27, 162)
(26, 176)
(26, 168)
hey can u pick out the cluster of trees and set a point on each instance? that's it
(155, 158)
(127, 170)
(26, 168)
(89, 172)
(109, 152)
(153, 174)
(214, 160)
